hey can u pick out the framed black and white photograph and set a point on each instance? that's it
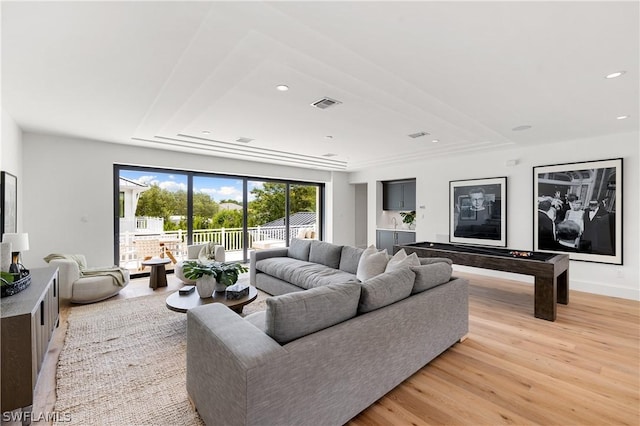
(9, 208)
(578, 210)
(477, 211)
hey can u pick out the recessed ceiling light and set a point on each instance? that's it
(521, 128)
(329, 154)
(615, 74)
(282, 87)
(206, 132)
(435, 140)
(244, 140)
(622, 117)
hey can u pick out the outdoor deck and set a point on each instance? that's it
(135, 247)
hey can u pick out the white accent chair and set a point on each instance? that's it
(88, 289)
(193, 253)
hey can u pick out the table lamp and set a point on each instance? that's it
(19, 243)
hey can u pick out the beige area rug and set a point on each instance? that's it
(124, 363)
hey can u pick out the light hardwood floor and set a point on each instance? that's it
(582, 369)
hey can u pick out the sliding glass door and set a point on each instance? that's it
(159, 212)
(304, 219)
(218, 214)
(266, 214)
(152, 209)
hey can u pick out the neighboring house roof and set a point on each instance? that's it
(230, 206)
(296, 219)
(128, 183)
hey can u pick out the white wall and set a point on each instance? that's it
(339, 219)
(11, 155)
(432, 191)
(361, 215)
(68, 190)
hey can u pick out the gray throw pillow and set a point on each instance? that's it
(385, 289)
(401, 260)
(429, 276)
(372, 262)
(349, 259)
(293, 315)
(325, 254)
(299, 249)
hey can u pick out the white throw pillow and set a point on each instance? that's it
(399, 262)
(396, 258)
(372, 263)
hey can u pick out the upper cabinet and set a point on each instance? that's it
(399, 195)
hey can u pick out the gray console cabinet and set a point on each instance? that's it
(29, 319)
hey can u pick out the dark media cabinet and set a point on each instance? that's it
(29, 319)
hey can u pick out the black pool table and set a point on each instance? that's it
(551, 271)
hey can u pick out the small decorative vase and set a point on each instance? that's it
(220, 288)
(205, 286)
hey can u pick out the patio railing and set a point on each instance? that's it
(230, 238)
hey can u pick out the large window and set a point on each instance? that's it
(159, 212)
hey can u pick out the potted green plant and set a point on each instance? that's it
(212, 276)
(408, 218)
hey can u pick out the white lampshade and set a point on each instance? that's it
(19, 242)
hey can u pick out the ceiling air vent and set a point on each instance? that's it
(418, 135)
(244, 140)
(325, 103)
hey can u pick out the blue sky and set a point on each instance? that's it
(217, 188)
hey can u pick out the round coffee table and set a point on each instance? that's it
(158, 276)
(179, 303)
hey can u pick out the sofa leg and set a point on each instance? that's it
(463, 338)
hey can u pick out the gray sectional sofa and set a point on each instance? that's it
(305, 264)
(322, 355)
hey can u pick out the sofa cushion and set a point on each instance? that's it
(372, 262)
(299, 249)
(325, 253)
(385, 289)
(258, 319)
(291, 316)
(401, 260)
(428, 276)
(305, 275)
(349, 259)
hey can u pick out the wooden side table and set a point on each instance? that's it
(179, 303)
(158, 277)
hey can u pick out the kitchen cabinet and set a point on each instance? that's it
(399, 195)
(387, 239)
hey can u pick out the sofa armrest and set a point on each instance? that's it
(223, 351)
(257, 255)
(219, 253)
(69, 272)
(193, 251)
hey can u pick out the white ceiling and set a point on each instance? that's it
(158, 74)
